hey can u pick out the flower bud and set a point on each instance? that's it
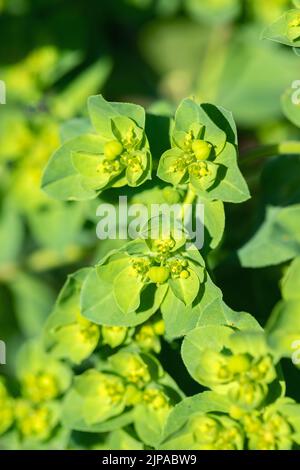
(40, 387)
(205, 429)
(114, 336)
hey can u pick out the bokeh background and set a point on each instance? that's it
(54, 54)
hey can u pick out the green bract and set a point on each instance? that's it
(134, 281)
(36, 422)
(283, 327)
(130, 382)
(203, 153)
(68, 334)
(274, 428)
(200, 423)
(96, 368)
(114, 154)
(94, 398)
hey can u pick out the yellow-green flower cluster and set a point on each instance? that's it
(6, 409)
(213, 432)
(35, 422)
(243, 378)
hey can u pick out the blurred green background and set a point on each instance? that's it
(54, 54)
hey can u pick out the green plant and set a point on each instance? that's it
(109, 318)
(141, 350)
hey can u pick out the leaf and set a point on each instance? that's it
(218, 313)
(101, 112)
(255, 98)
(74, 128)
(98, 303)
(11, 234)
(213, 12)
(283, 30)
(121, 440)
(276, 241)
(224, 120)
(201, 403)
(71, 101)
(66, 334)
(149, 424)
(57, 225)
(291, 104)
(214, 222)
(283, 328)
(33, 300)
(290, 284)
(189, 112)
(179, 319)
(211, 337)
(127, 290)
(72, 416)
(185, 290)
(60, 179)
(283, 173)
(232, 186)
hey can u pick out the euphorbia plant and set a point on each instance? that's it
(98, 367)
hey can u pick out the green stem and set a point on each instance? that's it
(190, 196)
(189, 199)
(265, 151)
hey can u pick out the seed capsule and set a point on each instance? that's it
(158, 274)
(112, 149)
(201, 149)
(238, 364)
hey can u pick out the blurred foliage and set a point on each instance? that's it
(53, 55)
